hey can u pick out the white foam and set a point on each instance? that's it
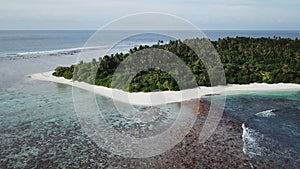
(74, 50)
(60, 51)
(266, 113)
(251, 146)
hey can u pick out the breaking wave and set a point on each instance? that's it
(258, 145)
(266, 113)
(251, 146)
(61, 52)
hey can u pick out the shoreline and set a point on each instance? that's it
(165, 97)
(225, 145)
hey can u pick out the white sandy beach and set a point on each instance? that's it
(157, 98)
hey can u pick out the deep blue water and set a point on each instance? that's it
(14, 42)
(35, 115)
(22, 42)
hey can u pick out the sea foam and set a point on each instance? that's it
(59, 51)
(266, 113)
(251, 146)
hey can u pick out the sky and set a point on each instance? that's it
(205, 14)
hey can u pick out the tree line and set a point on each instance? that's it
(245, 60)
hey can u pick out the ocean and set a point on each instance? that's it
(270, 124)
(38, 120)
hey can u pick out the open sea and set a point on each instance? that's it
(38, 120)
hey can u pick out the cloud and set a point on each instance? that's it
(92, 14)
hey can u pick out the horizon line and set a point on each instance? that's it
(150, 30)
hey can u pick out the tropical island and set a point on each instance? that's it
(245, 61)
(250, 65)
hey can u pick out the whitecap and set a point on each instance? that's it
(251, 146)
(59, 51)
(266, 113)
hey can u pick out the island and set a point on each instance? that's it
(245, 61)
(250, 65)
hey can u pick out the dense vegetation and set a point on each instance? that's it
(245, 60)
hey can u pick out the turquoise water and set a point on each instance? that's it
(39, 126)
